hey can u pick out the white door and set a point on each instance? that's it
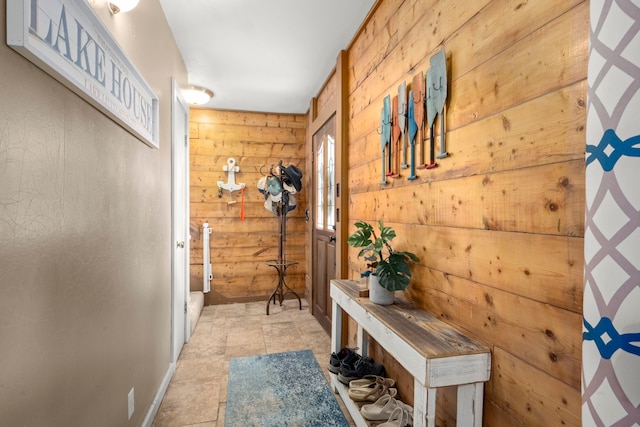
(180, 329)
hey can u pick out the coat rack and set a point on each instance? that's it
(281, 263)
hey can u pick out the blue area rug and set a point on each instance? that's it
(282, 389)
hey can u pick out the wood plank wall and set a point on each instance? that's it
(239, 248)
(499, 224)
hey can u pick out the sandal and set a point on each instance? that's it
(371, 394)
(402, 416)
(369, 381)
(381, 409)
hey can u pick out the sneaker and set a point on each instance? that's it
(336, 359)
(358, 369)
(349, 363)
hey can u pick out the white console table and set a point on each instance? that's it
(435, 353)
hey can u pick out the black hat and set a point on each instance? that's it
(293, 176)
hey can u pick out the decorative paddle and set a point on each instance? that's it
(402, 119)
(383, 145)
(395, 139)
(413, 129)
(431, 116)
(439, 75)
(386, 127)
(418, 114)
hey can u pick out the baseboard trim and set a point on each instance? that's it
(157, 400)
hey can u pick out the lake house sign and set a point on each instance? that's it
(67, 40)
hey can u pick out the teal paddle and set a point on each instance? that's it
(439, 75)
(413, 129)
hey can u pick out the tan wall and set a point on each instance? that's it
(85, 240)
(499, 224)
(239, 248)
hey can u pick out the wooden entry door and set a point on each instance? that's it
(324, 227)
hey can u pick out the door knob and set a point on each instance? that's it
(332, 239)
(180, 244)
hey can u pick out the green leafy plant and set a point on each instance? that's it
(391, 267)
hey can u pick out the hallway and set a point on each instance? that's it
(198, 390)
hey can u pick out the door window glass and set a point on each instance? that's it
(320, 193)
(324, 149)
(331, 183)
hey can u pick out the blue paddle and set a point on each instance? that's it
(413, 129)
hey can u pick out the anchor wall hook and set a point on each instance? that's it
(231, 168)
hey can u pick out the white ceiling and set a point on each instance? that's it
(263, 55)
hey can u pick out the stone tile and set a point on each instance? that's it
(318, 342)
(206, 367)
(201, 327)
(221, 323)
(244, 323)
(189, 402)
(308, 324)
(202, 346)
(280, 328)
(245, 350)
(229, 310)
(224, 387)
(294, 310)
(208, 313)
(236, 337)
(279, 317)
(257, 308)
(283, 345)
(289, 304)
(222, 413)
(281, 337)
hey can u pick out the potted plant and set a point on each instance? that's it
(388, 268)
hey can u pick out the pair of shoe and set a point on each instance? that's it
(397, 413)
(336, 359)
(370, 388)
(355, 367)
(349, 365)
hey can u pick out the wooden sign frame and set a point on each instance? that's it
(67, 40)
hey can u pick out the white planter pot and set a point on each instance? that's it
(378, 294)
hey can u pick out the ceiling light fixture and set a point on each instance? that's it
(196, 95)
(116, 6)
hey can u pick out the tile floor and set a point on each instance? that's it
(197, 393)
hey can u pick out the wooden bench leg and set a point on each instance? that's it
(362, 341)
(424, 405)
(336, 327)
(470, 402)
(336, 334)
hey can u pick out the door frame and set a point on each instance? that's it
(323, 249)
(180, 327)
(338, 106)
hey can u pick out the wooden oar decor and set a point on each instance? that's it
(418, 114)
(431, 117)
(402, 119)
(383, 146)
(413, 129)
(386, 129)
(395, 140)
(386, 132)
(439, 84)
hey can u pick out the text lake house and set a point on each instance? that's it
(66, 37)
